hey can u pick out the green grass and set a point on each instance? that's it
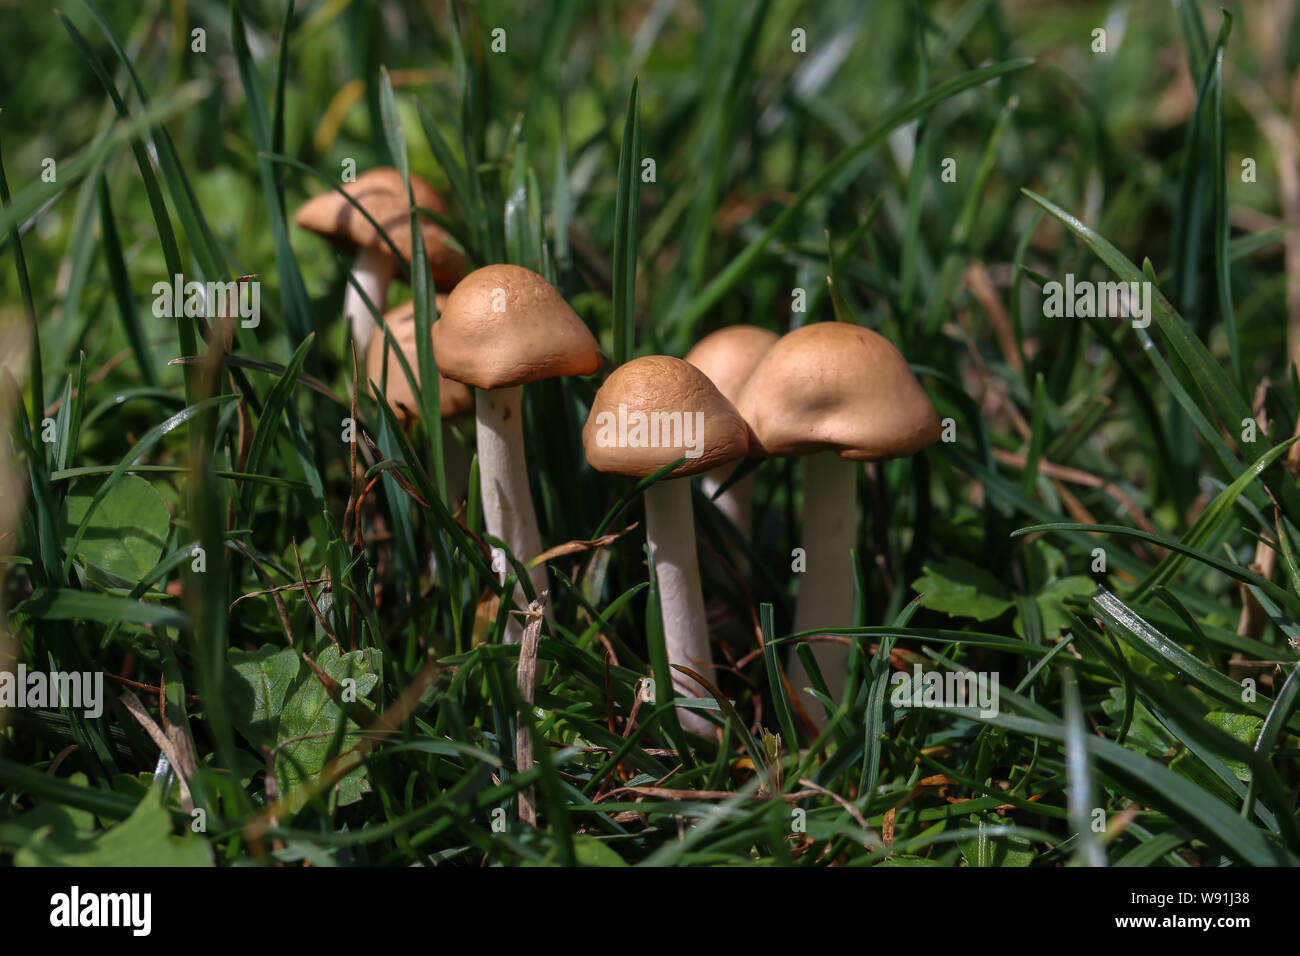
(263, 586)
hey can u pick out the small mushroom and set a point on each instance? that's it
(454, 399)
(835, 394)
(505, 326)
(649, 413)
(382, 194)
(728, 357)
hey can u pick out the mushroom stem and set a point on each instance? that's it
(372, 270)
(670, 534)
(830, 524)
(735, 503)
(503, 475)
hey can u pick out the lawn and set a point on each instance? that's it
(999, 569)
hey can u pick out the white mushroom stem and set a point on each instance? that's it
(670, 535)
(736, 504)
(372, 270)
(826, 587)
(503, 475)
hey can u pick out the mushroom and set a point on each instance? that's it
(505, 326)
(649, 413)
(454, 399)
(728, 357)
(382, 194)
(835, 394)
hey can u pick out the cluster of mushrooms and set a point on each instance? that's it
(832, 393)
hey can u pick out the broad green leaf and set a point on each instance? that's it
(139, 449)
(127, 532)
(592, 852)
(1243, 727)
(143, 839)
(51, 816)
(257, 688)
(1144, 733)
(310, 718)
(1051, 603)
(908, 859)
(960, 589)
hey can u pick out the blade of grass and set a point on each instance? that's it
(1211, 519)
(1176, 795)
(1029, 475)
(422, 291)
(626, 231)
(1219, 160)
(1194, 360)
(35, 195)
(739, 267)
(127, 309)
(211, 258)
(35, 380)
(1279, 716)
(66, 604)
(268, 426)
(186, 327)
(1169, 544)
(1153, 645)
(293, 292)
(1082, 800)
(772, 664)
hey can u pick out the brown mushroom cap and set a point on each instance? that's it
(383, 195)
(661, 384)
(730, 355)
(453, 398)
(505, 326)
(833, 386)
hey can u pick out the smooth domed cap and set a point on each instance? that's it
(383, 194)
(506, 326)
(729, 356)
(643, 418)
(453, 398)
(833, 386)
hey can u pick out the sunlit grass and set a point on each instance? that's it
(321, 626)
